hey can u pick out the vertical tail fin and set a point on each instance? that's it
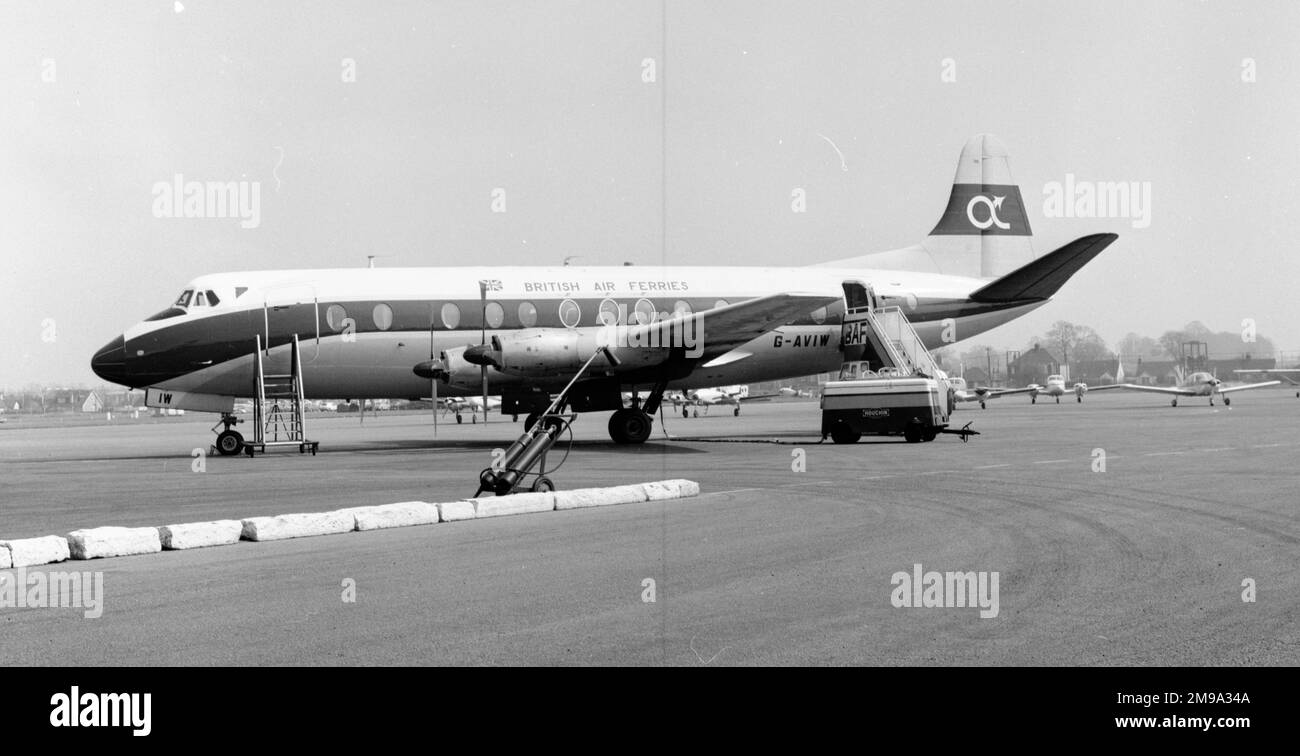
(984, 231)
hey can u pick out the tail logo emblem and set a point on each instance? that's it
(993, 204)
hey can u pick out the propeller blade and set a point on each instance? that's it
(483, 345)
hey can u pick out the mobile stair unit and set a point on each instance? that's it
(889, 383)
(278, 406)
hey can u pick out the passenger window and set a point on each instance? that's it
(383, 316)
(570, 313)
(496, 315)
(212, 299)
(607, 313)
(527, 314)
(450, 316)
(334, 316)
(644, 312)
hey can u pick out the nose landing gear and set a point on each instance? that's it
(230, 442)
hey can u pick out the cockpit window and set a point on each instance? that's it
(200, 300)
(184, 299)
(212, 298)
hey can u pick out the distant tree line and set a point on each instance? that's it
(1073, 343)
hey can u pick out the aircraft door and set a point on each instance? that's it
(289, 309)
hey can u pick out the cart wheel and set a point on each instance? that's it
(843, 433)
(229, 443)
(543, 483)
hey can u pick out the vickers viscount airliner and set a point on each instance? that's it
(525, 331)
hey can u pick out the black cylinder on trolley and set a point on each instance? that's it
(524, 461)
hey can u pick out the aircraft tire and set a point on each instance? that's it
(531, 420)
(1226, 401)
(629, 426)
(229, 443)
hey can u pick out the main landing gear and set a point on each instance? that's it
(632, 425)
(629, 426)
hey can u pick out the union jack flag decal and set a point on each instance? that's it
(490, 284)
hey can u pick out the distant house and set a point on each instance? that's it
(1095, 372)
(65, 399)
(1033, 367)
(1151, 372)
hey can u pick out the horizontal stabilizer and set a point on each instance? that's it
(1042, 278)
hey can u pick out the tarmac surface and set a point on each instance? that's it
(1141, 562)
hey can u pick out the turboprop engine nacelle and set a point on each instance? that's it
(544, 353)
(537, 353)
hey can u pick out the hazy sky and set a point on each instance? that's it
(100, 101)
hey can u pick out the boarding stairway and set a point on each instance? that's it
(880, 340)
(283, 422)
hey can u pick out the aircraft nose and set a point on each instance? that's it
(109, 362)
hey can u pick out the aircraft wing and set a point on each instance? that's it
(1230, 389)
(1172, 390)
(722, 329)
(994, 393)
(1284, 372)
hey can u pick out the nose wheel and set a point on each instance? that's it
(230, 442)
